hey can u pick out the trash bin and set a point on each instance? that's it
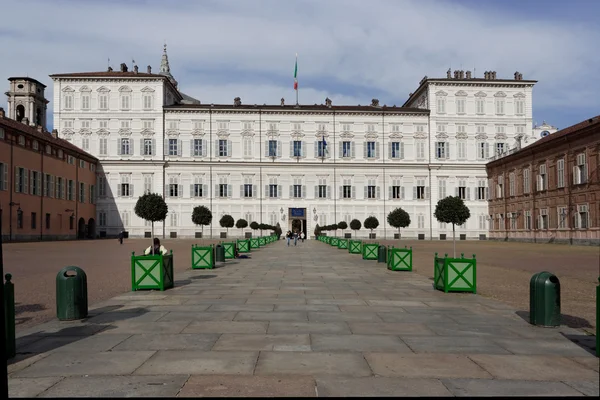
(381, 254)
(544, 300)
(219, 253)
(71, 294)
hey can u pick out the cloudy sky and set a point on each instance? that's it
(348, 50)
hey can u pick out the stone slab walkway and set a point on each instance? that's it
(309, 321)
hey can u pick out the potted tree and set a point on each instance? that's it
(452, 210)
(371, 223)
(151, 207)
(398, 218)
(241, 224)
(342, 225)
(254, 225)
(317, 231)
(355, 225)
(278, 231)
(227, 222)
(201, 215)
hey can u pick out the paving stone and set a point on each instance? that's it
(333, 386)
(133, 327)
(200, 316)
(22, 361)
(373, 309)
(248, 386)
(277, 301)
(167, 341)
(118, 386)
(424, 366)
(389, 328)
(535, 368)
(199, 363)
(503, 388)
(297, 363)
(542, 347)
(181, 308)
(241, 307)
(73, 364)
(415, 318)
(395, 303)
(216, 301)
(351, 343)
(308, 327)
(319, 316)
(303, 307)
(453, 344)
(280, 342)
(466, 330)
(272, 316)
(89, 344)
(337, 302)
(30, 387)
(587, 388)
(592, 363)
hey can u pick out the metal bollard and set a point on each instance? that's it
(9, 314)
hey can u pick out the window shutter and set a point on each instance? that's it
(327, 151)
(279, 191)
(31, 184)
(353, 192)
(267, 193)
(341, 195)
(229, 148)
(402, 192)
(179, 190)
(366, 192)
(377, 152)
(217, 192)
(204, 147)
(468, 193)
(291, 148)
(192, 148)
(192, 192)
(229, 190)
(153, 149)
(390, 151)
(316, 149)
(584, 173)
(447, 150)
(119, 189)
(166, 148)
(279, 147)
(25, 180)
(328, 190)
(575, 176)
(364, 149)
(352, 149)
(204, 190)
(456, 191)
(131, 141)
(303, 149)
(119, 143)
(414, 192)
(64, 189)
(390, 192)
(303, 191)
(487, 193)
(378, 192)
(341, 151)
(254, 190)
(487, 150)
(316, 192)
(242, 192)
(217, 148)
(291, 191)
(142, 146)
(131, 190)
(427, 192)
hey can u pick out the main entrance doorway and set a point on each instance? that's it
(297, 220)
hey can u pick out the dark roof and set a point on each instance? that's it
(107, 74)
(573, 129)
(44, 136)
(15, 78)
(291, 108)
(463, 80)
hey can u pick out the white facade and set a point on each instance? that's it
(259, 162)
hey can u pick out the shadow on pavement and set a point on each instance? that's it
(586, 342)
(565, 319)
(203, 276)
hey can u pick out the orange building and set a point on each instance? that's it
(47, 185)
(549, 191)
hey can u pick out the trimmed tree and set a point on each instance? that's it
(452, 210)
(241, 224)
(201, 215)
(398, 218)
(355, 225)
(227, 222)
(317, 231)
(371, 223)
(151, 207)
(342, 225)
(254, 225)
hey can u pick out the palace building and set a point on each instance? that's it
(320, 163)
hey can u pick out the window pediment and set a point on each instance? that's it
(420, 135)
(462, 136)
(501, 136)
(500, 94)
(297, 135)
(125, 131)
(480, 94)
(172, 133)
(68, 132)
(199, 132)
(103, 132)
(441, 93)
(321, 134)
(68, 89)
(441, 135)
(85, 131)
(371, 136)
(103, 89)
(461, 93)
(147, 132)
(396, 136)
(519, 95)
(85, 89)
(147, 90)
(481, 136)
(125, 89)
(347, 135)
(222, 134)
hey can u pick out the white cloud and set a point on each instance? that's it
(351, 50)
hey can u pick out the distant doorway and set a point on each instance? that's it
(91, 232)
(81, 228)
(297, 220)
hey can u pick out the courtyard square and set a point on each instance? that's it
(309, 320)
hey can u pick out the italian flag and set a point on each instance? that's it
(296, 74)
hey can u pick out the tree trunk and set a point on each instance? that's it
(454, 240)
(152, 238)
(399, 236)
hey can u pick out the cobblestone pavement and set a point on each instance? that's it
(308, 320)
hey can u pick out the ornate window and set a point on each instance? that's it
(68, 98)
(86, 95)
(125, 97)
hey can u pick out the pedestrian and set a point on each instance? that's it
(288, 235)
(156, 248)
(302, 236)
(121, 237)
(295, 238)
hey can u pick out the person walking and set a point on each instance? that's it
(302, 236)
(121, 237)
(288, 235)
(295, 238)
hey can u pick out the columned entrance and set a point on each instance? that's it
(297, 220)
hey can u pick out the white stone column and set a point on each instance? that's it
(31, 107)
(9, 111)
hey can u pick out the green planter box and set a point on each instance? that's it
(342, 244)
(254, 243)
(262, 241)
(152, 272)
(355, 246)
(229, 250)
(455, 274)
(243, 246)
(328, 239)
(203, 257)
(369, 251)
(400, 259)
(334, 241)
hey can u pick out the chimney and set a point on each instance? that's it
(2, 112)
(25, 120)
(123, 67)
(135, 69)
(149, 69)
(468, 74)
(493, 74)
(39, 128)
(462, 74)
(109, 69)
(55, 133)
(456, 74)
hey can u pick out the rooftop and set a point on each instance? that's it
(301, 107)
(25, 78)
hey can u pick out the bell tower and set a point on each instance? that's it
(26, 100)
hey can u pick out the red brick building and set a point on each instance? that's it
(550, 190)
(47, 185)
